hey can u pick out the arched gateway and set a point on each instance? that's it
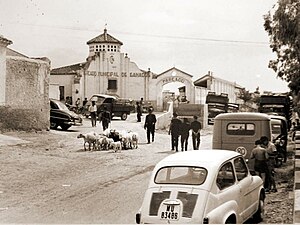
(173, 75)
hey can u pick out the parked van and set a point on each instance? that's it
(239, 131)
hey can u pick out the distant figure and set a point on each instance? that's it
(175, 131)
(138, 111)
(196, 128)
(142, 102)
(93, 113)
(150, 125)
(185, 133)
(84, 102)
(77, 103)
(105, 117)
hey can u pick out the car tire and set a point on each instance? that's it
(124, 116)
(65, 127)
(53, 125)
(260, 213)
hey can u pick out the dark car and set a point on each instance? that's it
(61, 116)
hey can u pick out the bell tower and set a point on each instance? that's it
(104, 43)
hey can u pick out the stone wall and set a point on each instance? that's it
(27, 94)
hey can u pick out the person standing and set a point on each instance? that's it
(93, 113)
(149, 125)
(105, 117)
(185, 133)
(175, 131)
(138, 111)
(272, 151)
(84, 102)
(260, 156)
(196, 128)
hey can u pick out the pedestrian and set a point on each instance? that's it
(138, 111)
(149, 125)
(93, 113)
(185, 133)
(84, 102)
(196, 128)
(105, 117)
(142, 102)
(77, 103)
(272, 152)
(174, 130)
(260, 156)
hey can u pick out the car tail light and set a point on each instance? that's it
(156, 200)
(138, 218)
(205, 220)
(188, 202)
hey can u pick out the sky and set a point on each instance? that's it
(196, 36)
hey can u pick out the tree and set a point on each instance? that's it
(283, 27)
(244, 95)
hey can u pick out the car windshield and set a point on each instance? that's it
(186, 175)
(61, 106)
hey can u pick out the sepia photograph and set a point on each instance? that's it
(149, 111)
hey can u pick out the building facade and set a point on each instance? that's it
(109, 71)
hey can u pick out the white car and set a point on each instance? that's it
(204, 186)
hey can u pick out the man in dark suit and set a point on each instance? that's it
(150, 125)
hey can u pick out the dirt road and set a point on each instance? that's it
(50, 179)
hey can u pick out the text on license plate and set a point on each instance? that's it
(170, 212)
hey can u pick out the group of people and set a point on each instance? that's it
(182, 129)
(104, 116)
(264, 162)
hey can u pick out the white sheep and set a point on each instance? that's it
(102, 143)
(116, 146)
(90, 139)
(127, 141)
(135, 139)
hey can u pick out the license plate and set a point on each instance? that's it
(170, 212)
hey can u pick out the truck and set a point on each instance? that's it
(216, 104)
(118, 107)
(276, 104)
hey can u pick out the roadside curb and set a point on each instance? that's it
(296, 217)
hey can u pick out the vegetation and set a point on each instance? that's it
(283, 26)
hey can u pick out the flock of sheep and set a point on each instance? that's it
(110, 139)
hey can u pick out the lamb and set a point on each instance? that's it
(135, 139)
(89, 138)
(116, 146)
(127, 141)
(102, 143)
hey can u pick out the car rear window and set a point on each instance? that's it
(240, 129)
(181, 175)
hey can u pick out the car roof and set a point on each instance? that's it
(243, 116)
(204, 158)
(103, 96)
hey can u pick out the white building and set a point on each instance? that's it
(109, 71)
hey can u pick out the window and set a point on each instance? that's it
(225, 176)
(112, 85)
(240, 168)
(181, 175)
(240, 129)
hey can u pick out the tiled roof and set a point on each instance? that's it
(72, 69)
(5, 41)
(104, 38)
